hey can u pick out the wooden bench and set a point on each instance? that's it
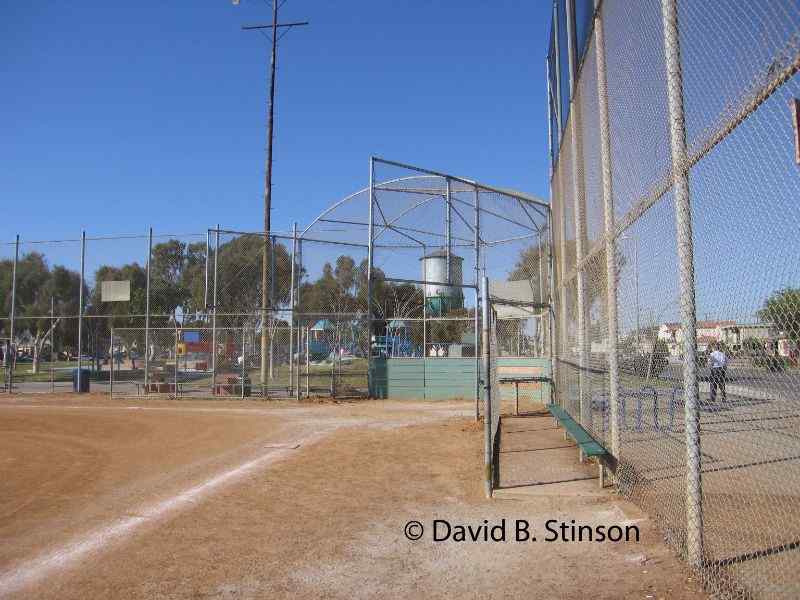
(587, 445)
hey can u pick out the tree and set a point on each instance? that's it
(61, 288)
(345, 273)
(177, 278)
(527, 266)
(37, 287)
(33, 300)
(239, 275)
(782, 309)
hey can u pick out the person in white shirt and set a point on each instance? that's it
(717, 362)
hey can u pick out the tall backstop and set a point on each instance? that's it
(674, 183)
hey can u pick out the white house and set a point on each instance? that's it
(707, 332)
(734, 335)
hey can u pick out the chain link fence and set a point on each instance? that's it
(674, 144)
(388, 273)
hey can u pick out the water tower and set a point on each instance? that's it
(440, 298)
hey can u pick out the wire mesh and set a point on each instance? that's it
(703, 171)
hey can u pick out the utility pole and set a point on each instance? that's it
(265, 278)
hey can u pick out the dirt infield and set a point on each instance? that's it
(165, 499)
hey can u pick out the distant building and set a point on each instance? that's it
(708, 332)
(731, 334)
(734, 335)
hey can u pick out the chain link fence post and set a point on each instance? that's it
(550, 307)
(292, 284)
(110, 367)
(487, 388)
(80, 312)
(308, 361)
(608, 221)
(147, 313)
(175, 391)
(551, 300)
(244, 360)
(477, 226)
(11, 348)
(580, 235)
(370, 242)
(688, 315)
(214, 316)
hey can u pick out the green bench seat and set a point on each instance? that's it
(586, 442)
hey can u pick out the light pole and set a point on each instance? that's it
(265, 276)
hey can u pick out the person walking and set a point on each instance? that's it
(717, 363)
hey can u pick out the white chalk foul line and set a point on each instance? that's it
(37, 568)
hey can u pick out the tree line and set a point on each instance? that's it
(178, 293)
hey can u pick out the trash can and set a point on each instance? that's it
(80, 380)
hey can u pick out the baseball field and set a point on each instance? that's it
(229, 499)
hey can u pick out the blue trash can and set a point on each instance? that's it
(80, 381)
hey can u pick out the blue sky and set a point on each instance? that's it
(117, 116)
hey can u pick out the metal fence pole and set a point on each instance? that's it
(561, 340)
(308, 361)
(291, 309)
(557, 48)
(176, 359)
(272, 271)
(147, 314)
(111, 367)
(333, 375)
(266, 305)
(53, 340)
(214, 316)
(448, 228)
(297, 298)
(487, 388)
(208, 254)
(477, 302)
(552, 301)
(550, 154)
(80, 310)
(424, 311)
(683, 223)
(540, 325)
(297, 364)
(580, 232)
(244, 358)
(370, 238)
(271, 371)
(608, 211)
(12, 348)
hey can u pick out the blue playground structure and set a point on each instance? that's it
(397, 342)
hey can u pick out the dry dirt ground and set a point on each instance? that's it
(192, 499)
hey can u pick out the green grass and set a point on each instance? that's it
(23, 371)
(352, 372)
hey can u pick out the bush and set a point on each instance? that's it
(752, 345)
(774, 364)
(759, 357)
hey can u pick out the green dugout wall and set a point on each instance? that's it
(451, 378)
